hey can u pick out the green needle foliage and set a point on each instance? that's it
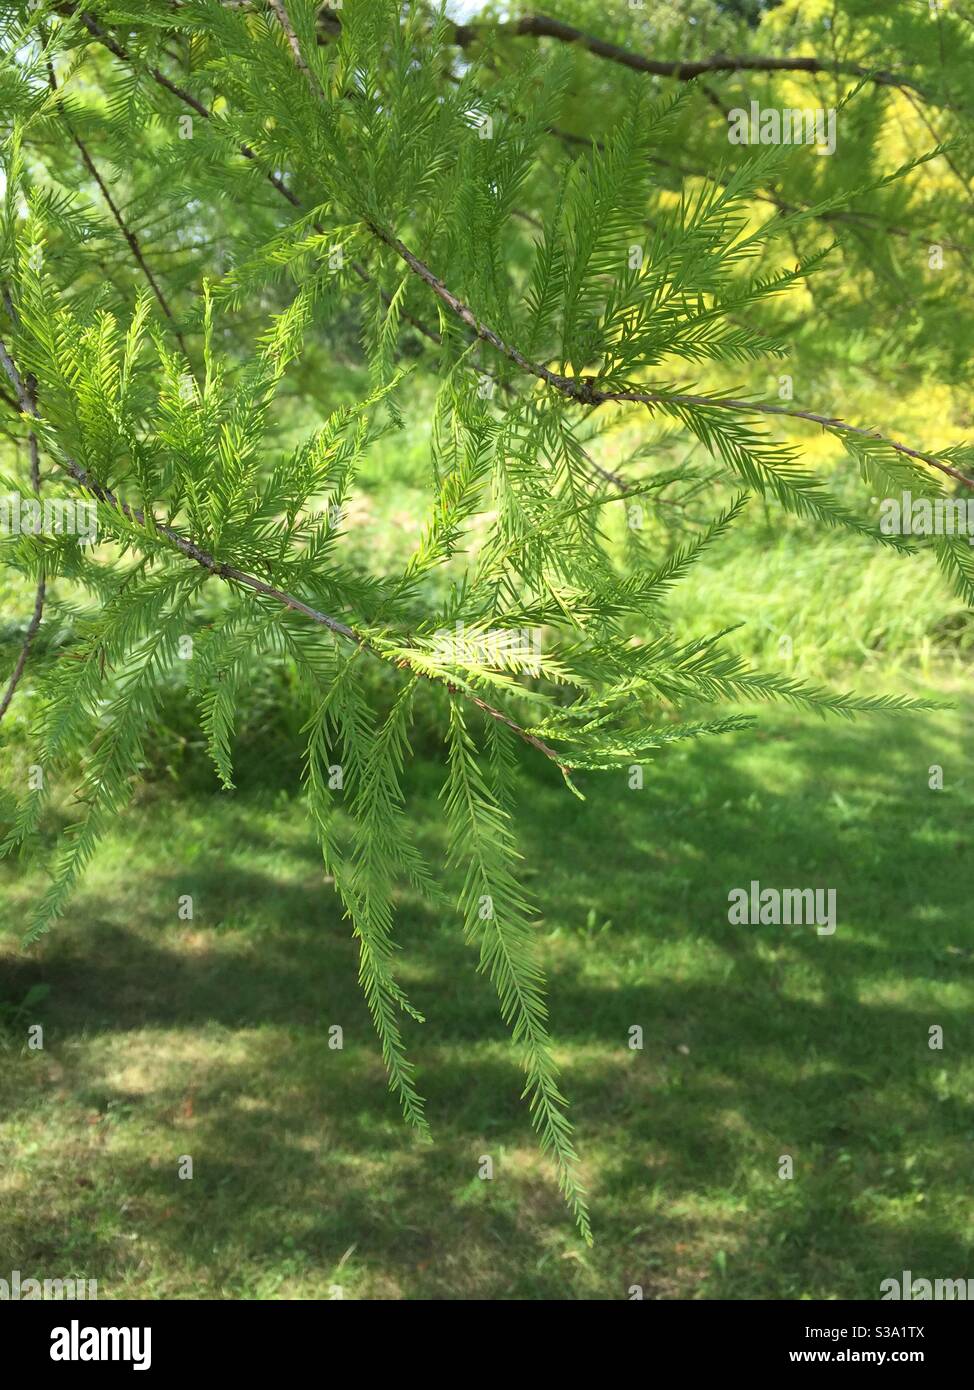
(205, 206)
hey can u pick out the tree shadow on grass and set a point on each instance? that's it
(210, 1038)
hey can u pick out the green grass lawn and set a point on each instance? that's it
(210, 1038)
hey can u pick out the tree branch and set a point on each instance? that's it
(583, 389)
(541, 26)
(232, 575)
(579, 388)
(127, 233)
(276, 182)
(41, 591)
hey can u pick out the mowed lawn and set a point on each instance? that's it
(210, 1038)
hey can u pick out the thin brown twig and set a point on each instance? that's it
(584, 390)
(542, 26)
(829, 422)
(276, 182)
(580, 388)
(957, 172)
(127, 233)
(285, 22)
(233, 575)
(41, 591)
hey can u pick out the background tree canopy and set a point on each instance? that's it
(449, 388)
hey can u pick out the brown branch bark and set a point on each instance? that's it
(276, 182)
(584, 390)
(543, 27)
(40, 593)
(130, 236)
(233, 575)
(580, 389)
